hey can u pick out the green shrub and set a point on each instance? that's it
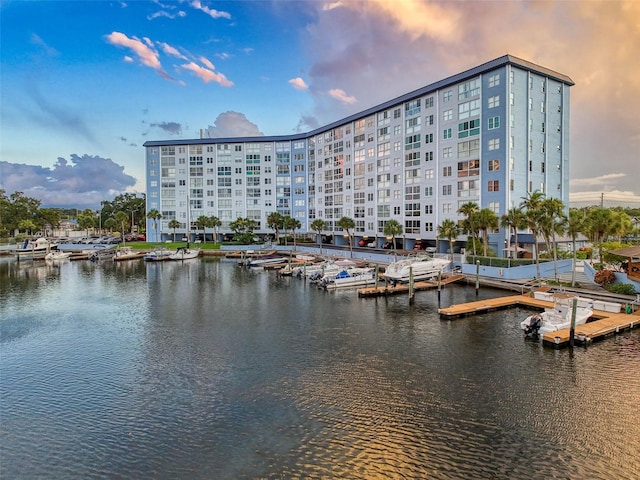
(621, 288)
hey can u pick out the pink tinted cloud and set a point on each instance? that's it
(342, 96)
(207, 75)
(298, 83)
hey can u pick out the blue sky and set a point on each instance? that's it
(85, 83)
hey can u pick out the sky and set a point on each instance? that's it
(84, 83)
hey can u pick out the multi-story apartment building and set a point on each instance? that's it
(492, 135)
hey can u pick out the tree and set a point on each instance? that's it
(574, 226)
(48, 217)
(533, 215)
(552, 223)
(513, 220)
(392, 228)
(215, 223)
(122, 219)
(275, 220)
(243, 229)
(292, 224)
(469, 210)
(486, 220)
(173, 224)
(450, 230)
(154, 215)
(87, 220)
(317, 226)
(203, 222)
(347, 223)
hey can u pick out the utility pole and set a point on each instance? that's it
(602, 200)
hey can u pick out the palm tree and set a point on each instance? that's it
(574, 226)
(392, 228)
(317, 226)
(275, 221)
(552, 223)
(215, 223)
(154, 215)
(513, 220)
(203, 222)
(450, 230)
(173, 224)
(486, 220)
(469, 210)
(347, 223)
(290, 223)
(122, 218)
(533, 216)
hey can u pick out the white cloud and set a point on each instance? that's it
(207, 75)
(602, 179)
(209, 11)
(341, 95)
(298, 83)
(232, 124)
(169, 50)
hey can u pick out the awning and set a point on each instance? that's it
(523, 238)
(630, 252)
(514, 248)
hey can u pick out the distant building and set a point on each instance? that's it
(491, 134)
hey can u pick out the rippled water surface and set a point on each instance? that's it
(206, 370)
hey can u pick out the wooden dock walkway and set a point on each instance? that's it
(399, 288)
(586, 333)
(602, 325)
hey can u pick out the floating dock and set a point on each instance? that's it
(399, 288)
(602, 325)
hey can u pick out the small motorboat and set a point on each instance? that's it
(557, 318)
(158, 255)
(57, 256)
(185, 253)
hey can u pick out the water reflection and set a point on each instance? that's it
(207, 370)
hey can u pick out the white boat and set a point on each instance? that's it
(611, 307)
(57, 256)
(185, 253)
(262, 261)
(346, 278)
(127, 253)
(160, 255)
(34, 249)
(556, 318)
(421, 267)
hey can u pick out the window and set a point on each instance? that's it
(447, 96)
(469, 109)
(446, 133)
(428, 102)
(446, 171)
(467, 129)
(494, 144)
(493, 165)
(447, 115)
(469, 148)
(494, 122)
(412, 108)
(493, 101)
(470, 168)
(469, 89)
(447, 152)
(494, 80)
(493, 186)
(446, 190)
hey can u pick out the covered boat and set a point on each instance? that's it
(421, 267)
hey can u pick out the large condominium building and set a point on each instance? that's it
(490, 135)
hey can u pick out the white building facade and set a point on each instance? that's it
(491, 135)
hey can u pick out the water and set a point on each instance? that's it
(206, 370)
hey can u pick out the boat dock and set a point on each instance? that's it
(399, 288)
(603, 325)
